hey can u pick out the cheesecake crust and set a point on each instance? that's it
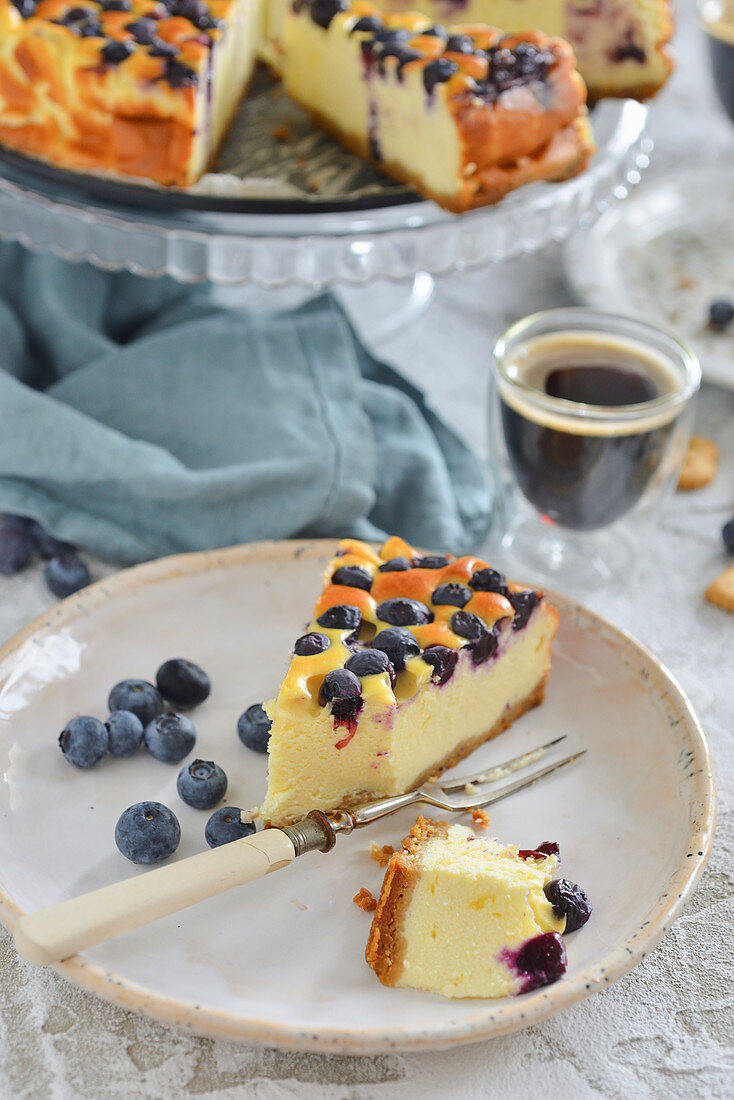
(386, 945)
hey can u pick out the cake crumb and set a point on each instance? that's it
(721, 591)
(480, 818)
(382, 854)
(313, 185)
(700, 464)
(247, 816)
(365, 900)
(282, 132)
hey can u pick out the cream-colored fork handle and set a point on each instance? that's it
(69, 927)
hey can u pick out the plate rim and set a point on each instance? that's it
(580, 269)
(485, 1023)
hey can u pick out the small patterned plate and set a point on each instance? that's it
(664, 255)
(281, 961)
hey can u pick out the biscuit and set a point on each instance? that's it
(721, 591)
(700, 463)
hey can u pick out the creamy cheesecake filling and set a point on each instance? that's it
(473, 906)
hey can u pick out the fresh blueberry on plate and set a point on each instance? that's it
(721, 314)
(147, 832)
(226, 825)
(253, 728)
(182, 682)
(727, 534)
(170, 737)
(125, 731)
(84, 741)
(16, 550)
(46, 544)
(139, 696)
(65, 574)
(201, 784)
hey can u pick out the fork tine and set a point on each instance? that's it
(499, 771)
(477, 801)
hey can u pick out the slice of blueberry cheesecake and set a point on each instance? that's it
(621, 46)
(465, 916)
(410, 662)
(129, 87)
(464, 115)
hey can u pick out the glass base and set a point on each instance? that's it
(572, 560)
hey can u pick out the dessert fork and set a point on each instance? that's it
(55, 933)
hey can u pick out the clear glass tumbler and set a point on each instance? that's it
(589, 421)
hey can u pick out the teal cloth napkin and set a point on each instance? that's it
(138, 418)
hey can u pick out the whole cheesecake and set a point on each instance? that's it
(464, 916)
(410, 662)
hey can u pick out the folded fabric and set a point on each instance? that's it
(139, 418)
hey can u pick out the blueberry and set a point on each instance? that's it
(116, 52)
(524, 603)
(163, 49)
(460, 43)
(438, 72)
(457, 595)
(201, 784)
(179, 75)
(431, 561)
(402, 53)
(392, 34)
(27, 8)
(65, 574)
(226, 825)
(370, 662)
(47, 545)
(84, 741)
(727, 534)
(368, 23)
(343, 691)
(488, 580)
(116, 5)
(404, 612)
(147, 832)
(542, 960)
(143, 30)
(437, 31)
(354, 576)
(442, 660)
(138, 696)
(549, 848)
(16, 550)
(721, 314)
(182, 682)
(323, 11)
(569, 901)
(125, 732)
(398, 644)
(396, 565)
(309, 644)
(170, 737)
(483, 642)
(343, 616)
(253, 728)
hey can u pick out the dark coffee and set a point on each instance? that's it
(718, 19)
(584, 474)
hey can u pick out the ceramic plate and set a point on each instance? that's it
(664, 255)
(281, 961)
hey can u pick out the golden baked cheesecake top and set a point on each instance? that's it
(384, 614)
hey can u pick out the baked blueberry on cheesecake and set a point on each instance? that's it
(465, 916)
(621, 46)
(410, 663)
(464, 115)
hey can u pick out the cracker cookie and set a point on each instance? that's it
(721, 591)
(700, 464)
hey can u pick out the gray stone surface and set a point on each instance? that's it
(663, 1031)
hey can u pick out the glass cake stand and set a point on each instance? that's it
(279, 258)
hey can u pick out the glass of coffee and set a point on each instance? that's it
(717, 17)
(590, 418)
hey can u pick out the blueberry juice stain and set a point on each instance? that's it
(584, 474)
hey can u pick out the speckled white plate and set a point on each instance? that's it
(281, 961)
(664, 255)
